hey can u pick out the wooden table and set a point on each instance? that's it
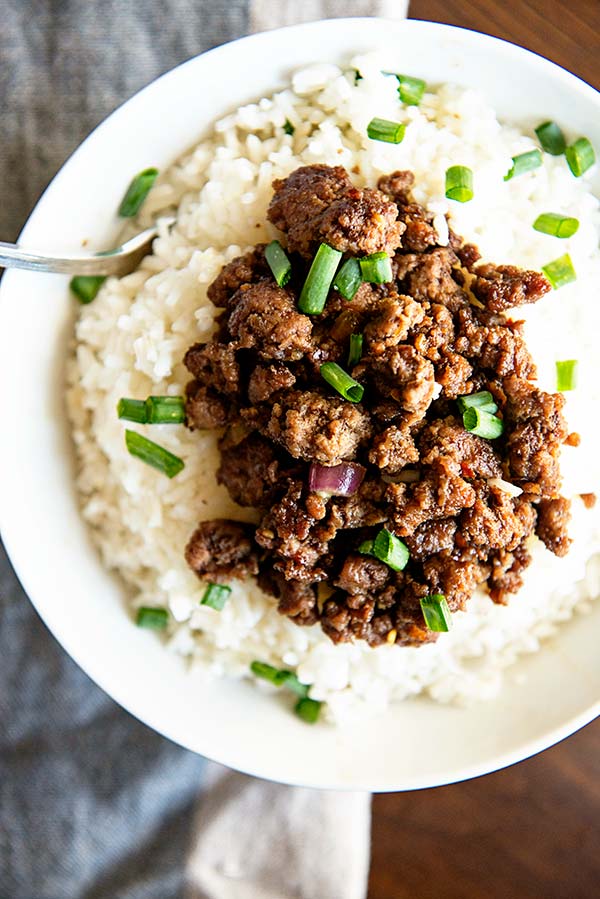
(531, 831)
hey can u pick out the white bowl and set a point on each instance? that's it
(418, 743)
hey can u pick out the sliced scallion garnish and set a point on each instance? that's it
(376, 268)
(308, 709)
(279, 677)
(132, 410)
(153, 454)
(355, 351)
(279, 263)
(165, 410)
(524, 162)
(155, 619)
(137, 192)
(560, 271)
(155, 410)
(342, 382)
(290, 680)
(551, 138)
(566, 375)
(436, 612)
(385, 130)
(555, 224)
(86, 287)
(389, 549)
(348, 278)
(483, 399)
(459, 183)
(318, 281)
(482, 423)
(274, 675)
(580, 156)
(366, 548)
(215, 596)
(410, 89)
(288, 127)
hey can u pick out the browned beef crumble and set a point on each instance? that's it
(436, 332)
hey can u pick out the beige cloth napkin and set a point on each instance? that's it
(260, 840)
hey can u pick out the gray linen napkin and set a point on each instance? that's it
(92, 803)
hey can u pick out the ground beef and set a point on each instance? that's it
(220, 549)
(267, 380)
(536, 430)
(319, 204)
(402, 374)
(250, 470)
(552, 524)
(419, 233)
(435, 333)
(246, 269)
(204, 408)
(214, 364)
(393, 450)
(316, 427)
(505, 286)
(264, 318)
(430, 277)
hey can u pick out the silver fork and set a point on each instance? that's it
(120, 261)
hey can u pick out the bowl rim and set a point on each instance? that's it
(550, 737)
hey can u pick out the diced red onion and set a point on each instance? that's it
(336, 480)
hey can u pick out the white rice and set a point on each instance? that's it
(132, 338)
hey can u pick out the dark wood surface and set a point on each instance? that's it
(530, 831)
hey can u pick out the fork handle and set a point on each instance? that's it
(13, 256)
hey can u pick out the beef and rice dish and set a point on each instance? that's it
(390, 436)
(327, 397)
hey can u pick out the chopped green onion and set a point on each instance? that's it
(366, 548)
(383, 129)
(410, 89)
(483, 400)
(279, 263)
(566, 375)
(133, 410)
(387, 548)
(580, 156)
(153, 454)
(560, 271)
(355, 352)
(165, 410)
(279, 677)
(137, 192)
(348, 278)
(436, 612)
(377, 268)
(290, 680)
(524, 162)
(555, 224)
(155, 619)
(308, 709)
(156, 410)
(482, 423)
(342, 382)
(318, 281)
(215, 596)
(268, 672)
(459, 183)
(86, 287)
(288, 127)
(551, 138)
